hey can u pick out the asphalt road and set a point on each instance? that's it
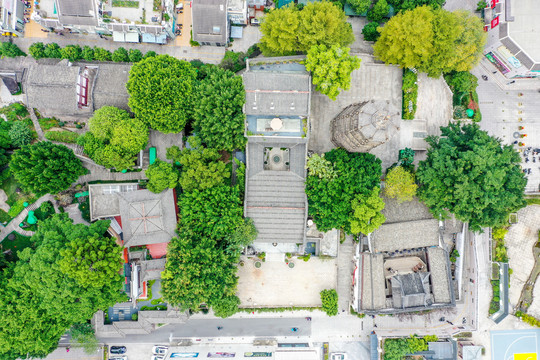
(268, 327)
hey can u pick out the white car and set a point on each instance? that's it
(119, 357)
(338, 356)
(159, 350)
(158, 357)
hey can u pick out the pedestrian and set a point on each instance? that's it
(67, 349)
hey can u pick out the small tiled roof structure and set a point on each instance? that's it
(210, 23)
(363, 126)
(411, 290)
(146, 218)
(77, 12)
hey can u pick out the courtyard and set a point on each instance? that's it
(275, 284)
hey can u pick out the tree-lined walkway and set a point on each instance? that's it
(14, 223)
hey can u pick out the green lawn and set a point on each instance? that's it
(20, 243)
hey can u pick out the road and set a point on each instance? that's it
(238, 328)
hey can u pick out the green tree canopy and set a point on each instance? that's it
(400, 184)
(39, 302)
(91, 260)
(329, 299)
(52, 50)
(10, 50)
(331, 69)
(114, 139)
(161, 175)
(411, 4)
(45, 167)
(71, 52)
(472, 175)
(367, 216)
(101, 54)
(371, 32)
(433, 41)
(87, 53)
(201, 168)
(288, 30)
(160, 90)
(20, 134)
(378, 11)
(330, 199)
(227, 306)
(120, 55)
(217, 113)
(360, 6)
(37, 50)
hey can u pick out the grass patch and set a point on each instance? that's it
(20, 242)
(48, 123)
(64, 136)
(533, 201)
(410, 94)
(125, 3)
(14, 112)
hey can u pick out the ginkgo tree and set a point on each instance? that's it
(331, 68)
(367, 215)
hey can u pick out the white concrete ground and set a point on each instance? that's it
(534, 309)
(520, 240)
(274, 284)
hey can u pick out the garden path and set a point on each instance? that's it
(14, 223)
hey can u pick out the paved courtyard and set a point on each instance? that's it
(520, 239)
(534, 309)
(274, 284)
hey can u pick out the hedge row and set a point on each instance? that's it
(410, 93)
(531, 320)
(39, 50)
(62, 136)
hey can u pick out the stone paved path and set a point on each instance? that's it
(14, 224)
(35, 121)
(344, 274)
(520, 239)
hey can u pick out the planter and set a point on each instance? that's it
(258, 264)
(291, 265)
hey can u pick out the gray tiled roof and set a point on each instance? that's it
(147, 218)
(437, 262)
(276, 200)
(210, 21)
(77, 12)
(110, 86)
(275, 93)
(406, 235)
(373, 295)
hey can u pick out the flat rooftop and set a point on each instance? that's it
(525, 29)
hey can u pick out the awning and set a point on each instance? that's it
(132, 37)
(236, 32)
(148, 38)
(161, 39)
(118, 36)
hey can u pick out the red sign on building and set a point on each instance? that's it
(494, 22)
(493, 3)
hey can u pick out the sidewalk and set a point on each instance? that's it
(74, 354)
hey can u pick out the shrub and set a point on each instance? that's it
(101, 54)
(149, 54)
(135, 55)
(20, 134)
(410, 94)
(234, 61)
(370, 31)
(329, 299)
(10, 50)
(71, 52)
(16, 208)
(120, 55)
(48, 123)
(87, 53)
(499, 233)
(134, 317)
(84, 208)
(37, 50)
(62, 136)
(52, 50)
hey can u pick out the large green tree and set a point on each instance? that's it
(287, 30)
(201, 167)
(217, 113)
(330, 198)
(45, 167)
(114, 139)
(472, 175)
(39, 302)
(331, 68)
(400, 185)
(160, 92)
(367, 215)
(411, 4)
(432, 40)
(360, 6)
(161, 175)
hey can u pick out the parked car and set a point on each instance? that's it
(338, 356)
(158, 357)
(118, 349)
(159, 350)
(119, 358)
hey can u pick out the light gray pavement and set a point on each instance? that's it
(75, 214)
(14, 223)
(74, 353)
(507, 107)
(208, 54)
(274, 284)
(99, 173)
(251, 35)
(520, 240)
(452, 5)
(345, 274)
(359, 45)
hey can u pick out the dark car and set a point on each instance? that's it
(118, 349)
